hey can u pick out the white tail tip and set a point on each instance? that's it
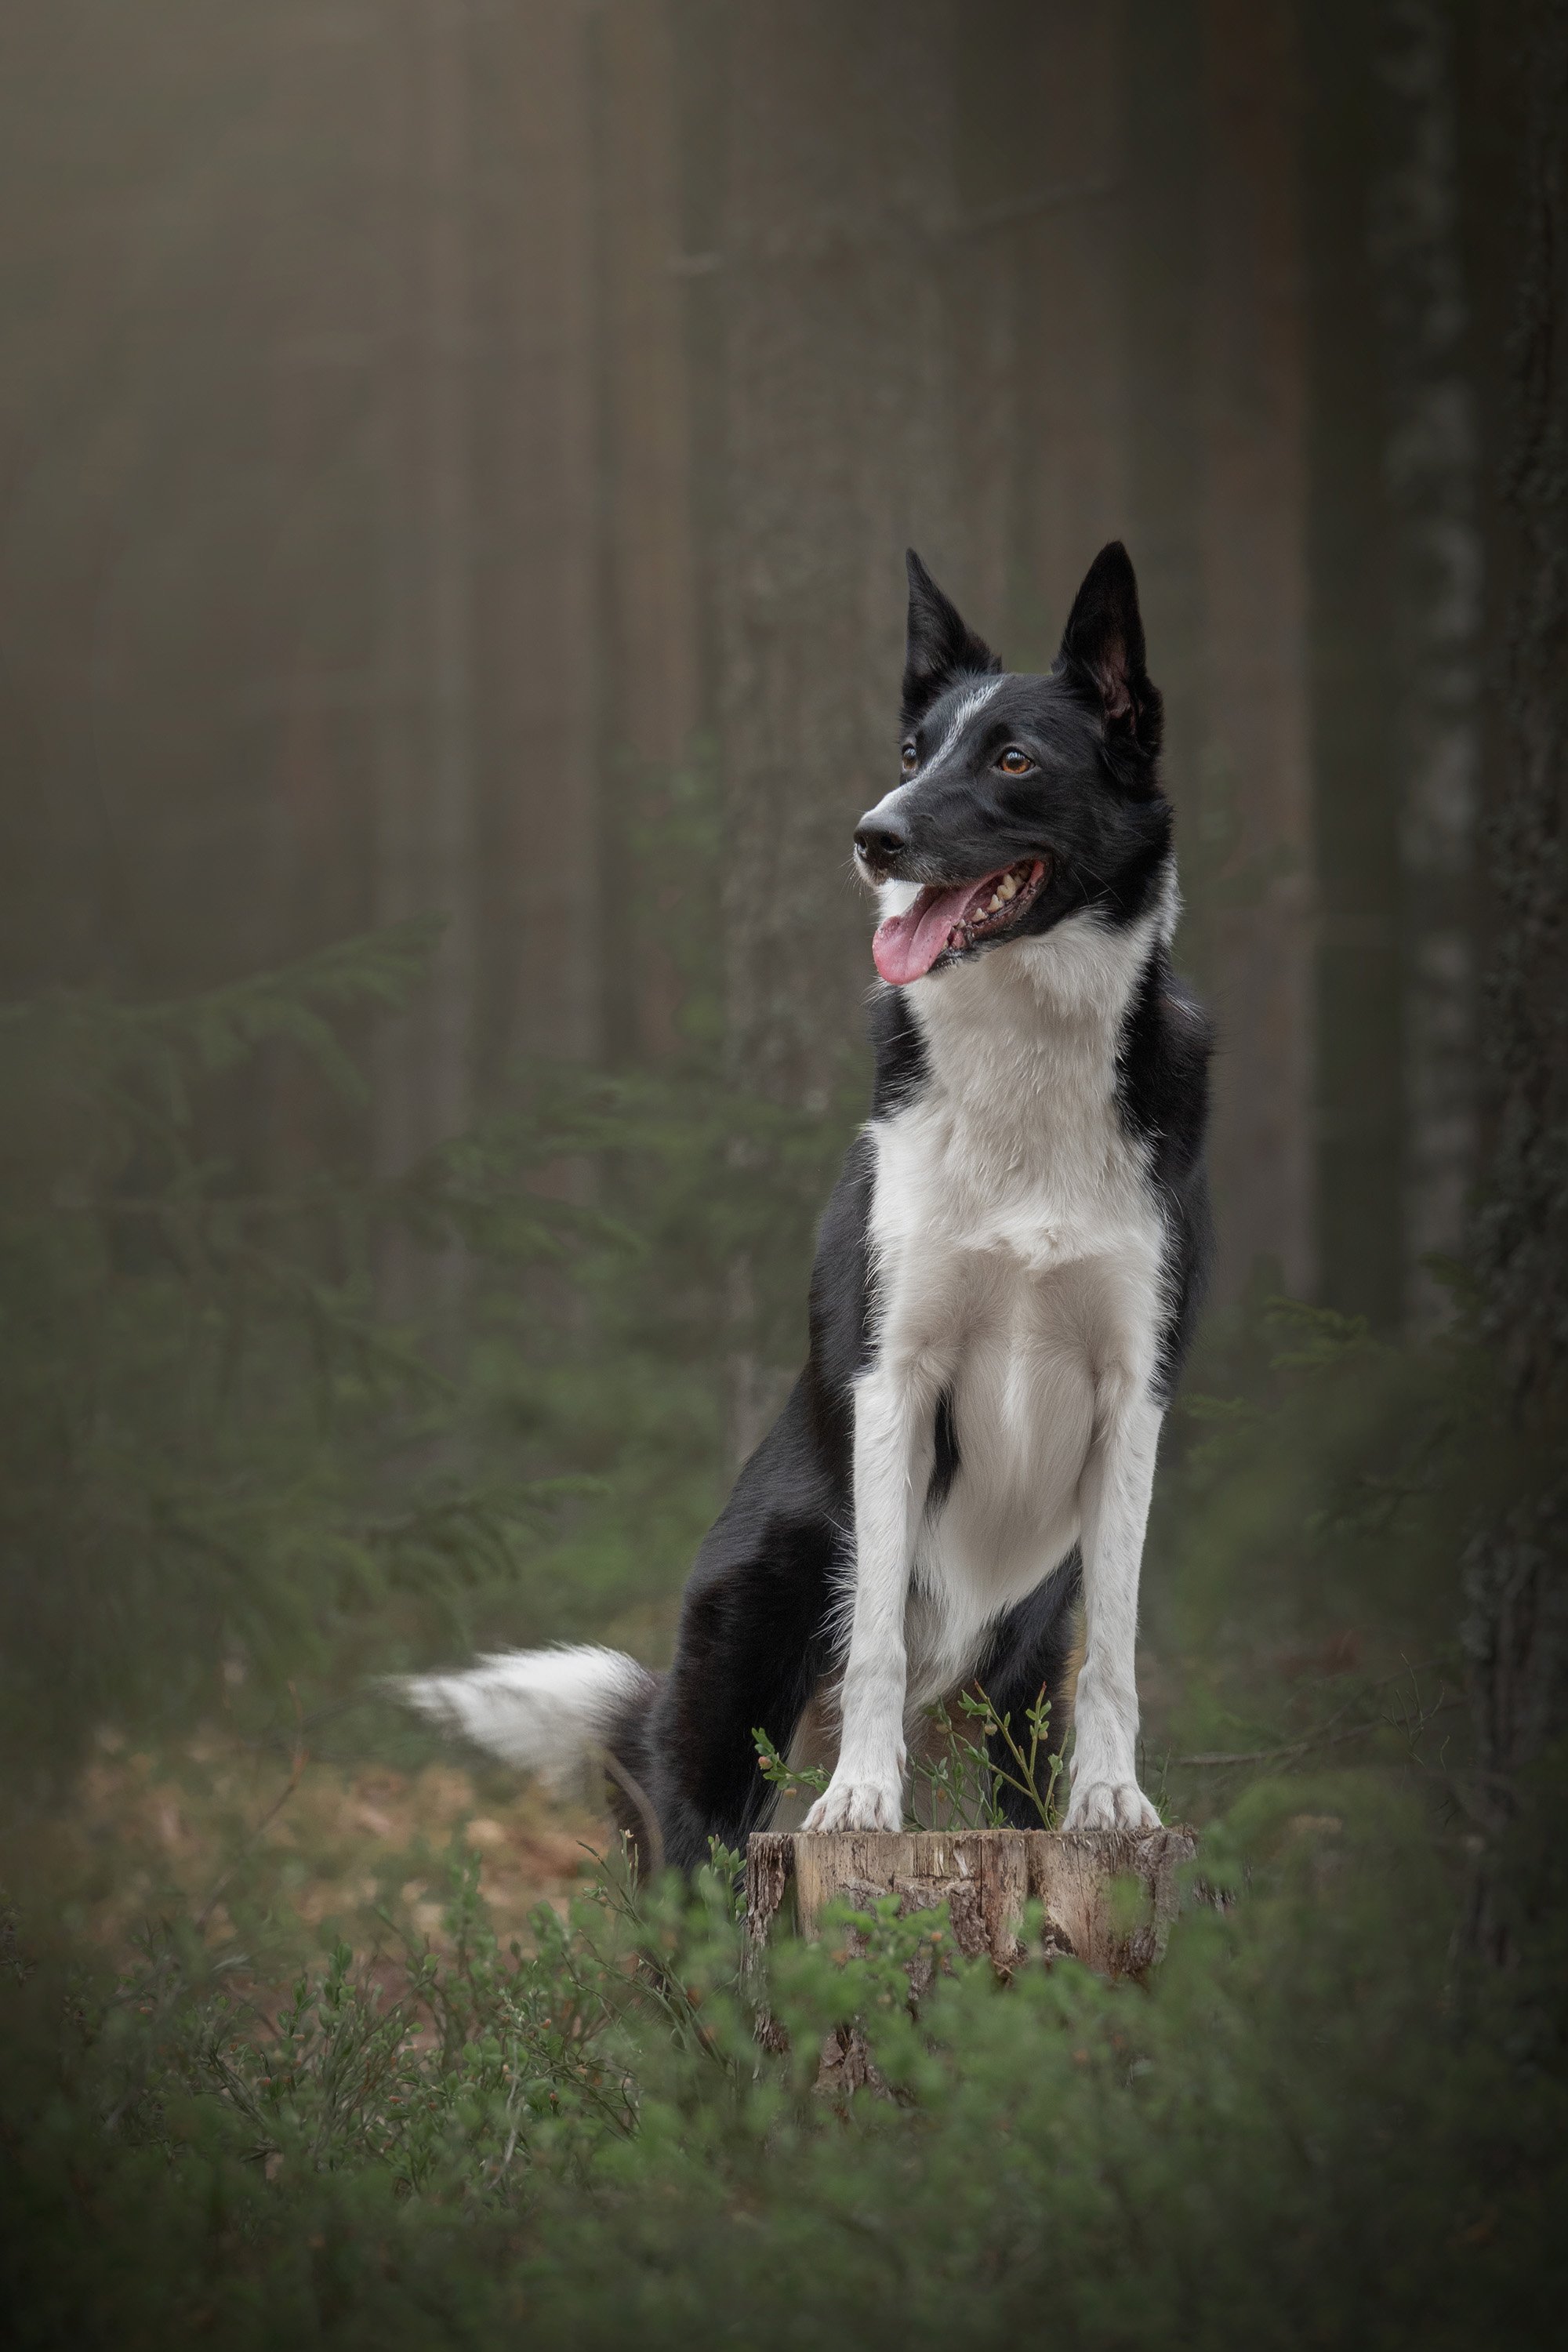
(543, 1710)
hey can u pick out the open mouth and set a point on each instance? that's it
(949, 920)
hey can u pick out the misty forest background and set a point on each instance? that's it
(458, 457)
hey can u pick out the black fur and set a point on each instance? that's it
(756, 1626)
(1162, 1095)
(938, 645)
(1090, 800)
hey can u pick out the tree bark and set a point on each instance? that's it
(1517, 1630)
(1161, 270)
(837, 440)
(424, 818)
(653, 698)
(1431, 473)
(1357, 688)
(838, 431)
(538, 537)
(1255, 783)
(985, 1878)
(1071, 333)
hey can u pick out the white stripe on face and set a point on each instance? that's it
(890, 804)
(972, 703)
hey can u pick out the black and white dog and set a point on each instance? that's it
(1004, 1287)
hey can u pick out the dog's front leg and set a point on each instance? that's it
(1118, 1481)
(894, 1444)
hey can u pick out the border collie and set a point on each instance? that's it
(1005, 1284)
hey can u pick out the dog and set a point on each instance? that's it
(1006, 1280)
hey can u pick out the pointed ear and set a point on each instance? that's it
(939, 647)
(1103, 647)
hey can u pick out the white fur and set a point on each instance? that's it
(1019, 1251)
(545, 1710)
(890, 804)
(974, 701)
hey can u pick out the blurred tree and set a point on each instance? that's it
(1058, 197)
(1358, 1098)
(425, 816)
(653, 698)
(1251, 515)
(1431, 634)
(1160, 262)
(839, 422)
(840, 417)
(538, 547)
(1517, 1627)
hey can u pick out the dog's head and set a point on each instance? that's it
(1023, 799)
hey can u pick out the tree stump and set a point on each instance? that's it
(1109, 1897)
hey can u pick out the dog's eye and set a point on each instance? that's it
(907, 758)
(1015, 762)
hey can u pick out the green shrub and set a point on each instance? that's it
(1307, 2130)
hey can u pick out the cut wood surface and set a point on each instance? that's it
(1108, 1895)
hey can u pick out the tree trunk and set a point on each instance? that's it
(1431, 468)
(652, 701)
(425, 806)
(1357, 697)
(538, 537)
(1517, 1632)
(838, 442)
(1255, 783)
(1071, 330)
(837, 436)
(1161, 270)
(985, 1878)
(1395, 539)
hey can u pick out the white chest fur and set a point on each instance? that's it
(1017, 1250)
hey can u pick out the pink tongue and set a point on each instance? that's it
(906, 946)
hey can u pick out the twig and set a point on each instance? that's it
(1322, 1738)
(638, 1796)
(301, 1758)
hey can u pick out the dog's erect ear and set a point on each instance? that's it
(939, 647)
(1102, 648)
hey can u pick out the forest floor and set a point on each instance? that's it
(279, 1855)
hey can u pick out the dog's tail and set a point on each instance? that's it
(552, 1712)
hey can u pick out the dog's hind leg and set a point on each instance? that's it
(752, 1646)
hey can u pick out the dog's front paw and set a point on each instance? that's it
(859, 1805)
(1110, 1805)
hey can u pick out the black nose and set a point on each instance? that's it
(880, 839)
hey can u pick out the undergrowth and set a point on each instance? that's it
(1307, 2130)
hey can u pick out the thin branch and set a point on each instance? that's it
(301, 1758)
(1320, 1738)
(633, 1790)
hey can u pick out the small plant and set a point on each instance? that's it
(962, 1776)
(790, 1780)
(958, 1781)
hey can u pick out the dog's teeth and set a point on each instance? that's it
(1005, 888)
(993, 902)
